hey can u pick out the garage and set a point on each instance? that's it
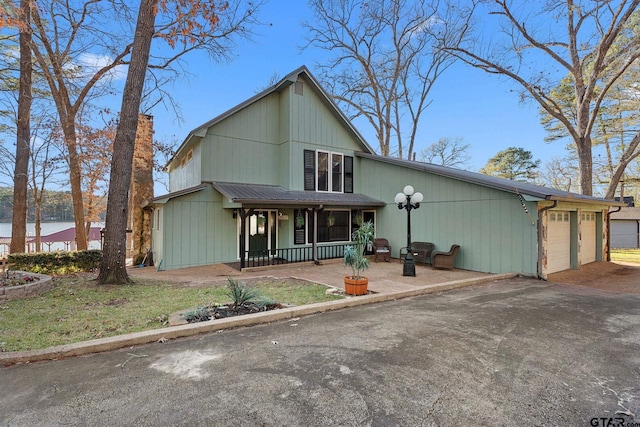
(624, 234)
(625, 228)
(588, 233)
(558, 242)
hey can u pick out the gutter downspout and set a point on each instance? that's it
(540, 212)
(609, 232)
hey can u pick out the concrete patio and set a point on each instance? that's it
(384, 277)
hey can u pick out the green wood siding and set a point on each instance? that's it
(190, 175)
(197, 231)
(492, 228)
(245, 146)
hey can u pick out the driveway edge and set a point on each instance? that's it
(172, 332)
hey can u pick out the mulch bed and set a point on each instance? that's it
(204, 314)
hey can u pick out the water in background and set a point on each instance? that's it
(46, 228)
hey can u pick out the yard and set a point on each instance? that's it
(79, 310)
(625, 255)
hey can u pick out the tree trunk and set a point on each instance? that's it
(75, 179)
(23, 140)
(38, 225)
(113, 267)
(585, 165)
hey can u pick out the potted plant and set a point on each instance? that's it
(354, 257)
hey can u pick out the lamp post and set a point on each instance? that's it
(408, 200)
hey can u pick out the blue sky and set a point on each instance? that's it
(466, 103)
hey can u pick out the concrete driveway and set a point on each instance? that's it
(513, 352)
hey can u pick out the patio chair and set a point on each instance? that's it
(445, 259)
(382, 249)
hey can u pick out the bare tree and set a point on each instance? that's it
(79, 46)
(383, 61)
(112, 268)
(447, 152)
(23, 134)
(190, 24)
(538, 43)
(615, 135)
(560, 173)
(45, 159)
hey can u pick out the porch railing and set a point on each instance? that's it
(260, 258)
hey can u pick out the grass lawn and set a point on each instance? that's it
(78, 310)
(625, 255)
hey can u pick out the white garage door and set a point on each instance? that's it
(588, 234)
(558, 242)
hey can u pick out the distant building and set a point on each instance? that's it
(625, 228)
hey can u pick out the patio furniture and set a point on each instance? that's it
(382, 249)
(421, 251)
(445, 259)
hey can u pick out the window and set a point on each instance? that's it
(336, 173)
(334, 226)
(300, 223)
(327, 171)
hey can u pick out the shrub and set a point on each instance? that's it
(56, 262)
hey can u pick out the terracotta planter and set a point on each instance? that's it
(355, 286)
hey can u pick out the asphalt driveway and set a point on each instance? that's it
(513, 352)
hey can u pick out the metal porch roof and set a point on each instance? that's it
(258, 194)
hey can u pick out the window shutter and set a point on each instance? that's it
(348, 174)
(309, 170)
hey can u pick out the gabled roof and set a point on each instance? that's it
(67, 235)
(626, 214)
(287, 81)
(516, 187)
(248, 194)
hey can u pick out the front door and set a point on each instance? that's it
(261, 233)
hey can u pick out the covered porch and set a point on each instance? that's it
(280, 226)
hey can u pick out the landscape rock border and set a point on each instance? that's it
(38, 287)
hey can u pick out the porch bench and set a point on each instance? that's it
(421, 251)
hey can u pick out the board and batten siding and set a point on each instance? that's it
(314, 127)
(496, 235)
(190, 174)
(245, 146)
(197, 231)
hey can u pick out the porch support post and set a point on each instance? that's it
(243, 232)
(314, 235)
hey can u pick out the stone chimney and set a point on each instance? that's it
(141, 191)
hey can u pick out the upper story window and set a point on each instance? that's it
(328, 171)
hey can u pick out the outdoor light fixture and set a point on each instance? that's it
(408, 200)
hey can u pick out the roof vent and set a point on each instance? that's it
(299, 88)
